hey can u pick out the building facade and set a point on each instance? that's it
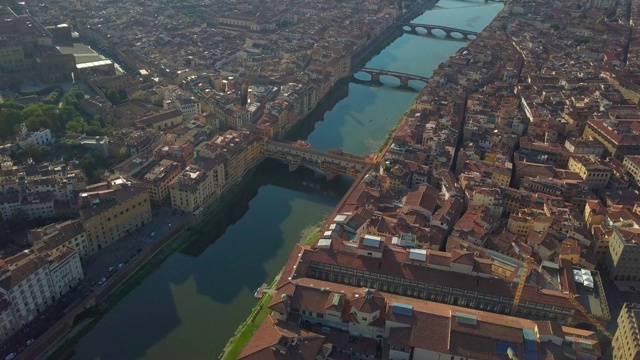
(112, 210)
(626, 341)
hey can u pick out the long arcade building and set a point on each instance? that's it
(457, 278)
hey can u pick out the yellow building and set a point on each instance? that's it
(619, 137)
(501, 173)
(159, 177)
(593, 171)
(632, 164)
(112, 210)
(626, 341)
(519, 225)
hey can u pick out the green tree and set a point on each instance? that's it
(93, 165)
(32, 151)
(9, 119)
(76, 126)
(11, 105)
(34, 123)
(31, 111)
(112, 96)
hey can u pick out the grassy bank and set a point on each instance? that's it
(246, 330)
(236, 344)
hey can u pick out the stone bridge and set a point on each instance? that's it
(333, 163)
(449, 31)
(403, 77)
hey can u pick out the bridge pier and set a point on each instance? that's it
(375, 78)
(293, 166)
(330, 176)
(404, 81)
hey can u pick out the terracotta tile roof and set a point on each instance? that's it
(289, 341)
(424, 198)
(368, 302)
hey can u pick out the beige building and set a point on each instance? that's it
(112, 210)
(632, 164)
(192, 188)
(69, 233)
(593, 171)
(243, 149)
(623, 256)
(218, 165)
(626, 341)
(160, 177)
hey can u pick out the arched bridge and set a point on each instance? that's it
(403, 77)
(333, 163)
(449, 31)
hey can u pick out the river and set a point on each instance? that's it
(190, 306)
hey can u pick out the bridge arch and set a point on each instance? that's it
(439, 31)
(363, 76)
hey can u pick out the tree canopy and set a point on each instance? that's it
(59, 114)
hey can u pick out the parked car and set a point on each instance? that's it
(102, 281)
(10, 356)
(29, 342)
(120, 265)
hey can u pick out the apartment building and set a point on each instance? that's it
(626, 341)
(594, 172)
(113, 209)
(26, 282)
(38, 206)
(65, 268)
(243, 149)
(580, 146)
(36, 189)
(70, 233)
(194, 186)
(8, 323)
(32, 280)
(623, 255)
(190, 107)
(159, 177)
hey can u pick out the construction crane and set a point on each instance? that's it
(529, 265)
(578, 306)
